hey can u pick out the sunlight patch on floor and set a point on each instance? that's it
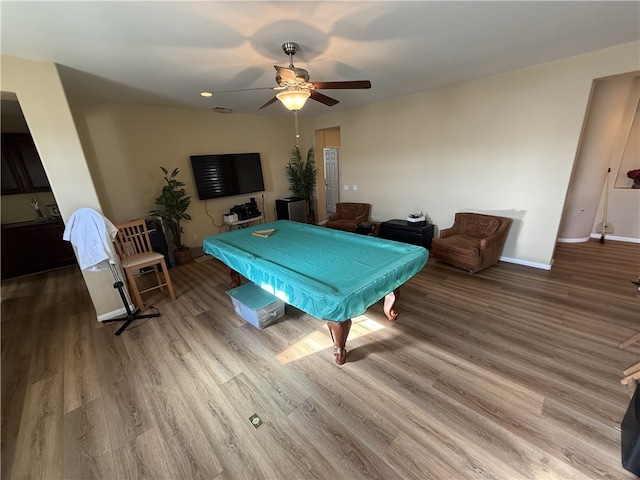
(319, 340)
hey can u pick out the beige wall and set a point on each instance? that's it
(503, 144)
(629, 154)
(605, 143)
(623, 202)
(46, 111)
(129, 143)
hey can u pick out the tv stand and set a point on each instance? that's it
(245, 223)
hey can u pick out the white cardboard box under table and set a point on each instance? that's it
(255, 305)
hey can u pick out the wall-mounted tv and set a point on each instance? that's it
(226, 175)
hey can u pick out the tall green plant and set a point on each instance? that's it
(174, 202)
(302, 176)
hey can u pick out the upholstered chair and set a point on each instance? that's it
(348, 216)
(473, 243)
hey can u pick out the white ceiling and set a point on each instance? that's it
(166, 53)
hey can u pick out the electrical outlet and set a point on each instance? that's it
(195, 238)
(354, 187)
(346, 187)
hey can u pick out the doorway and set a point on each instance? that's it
(326, 138)
(599, 199)
(331, 178)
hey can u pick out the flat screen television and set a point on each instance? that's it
(226, 175)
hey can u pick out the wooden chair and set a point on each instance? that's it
(135, 252)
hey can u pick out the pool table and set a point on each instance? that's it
(329, 274)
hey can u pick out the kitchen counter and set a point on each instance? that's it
(46, 221)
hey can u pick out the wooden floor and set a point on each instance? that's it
(509, 373)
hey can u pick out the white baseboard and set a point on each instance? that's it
(517, 261)
(115, 313)
(544, 266)
(573, 240)
(615, 238)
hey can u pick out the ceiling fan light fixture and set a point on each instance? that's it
(293, 99)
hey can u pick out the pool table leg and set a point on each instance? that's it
(389, 300)
(339, 332)
(235, 278)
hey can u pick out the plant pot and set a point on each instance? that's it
(182, 256)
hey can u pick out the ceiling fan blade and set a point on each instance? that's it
(268, 103)
(244, 90)
(319, 97)
(286, 74)
(349, 84)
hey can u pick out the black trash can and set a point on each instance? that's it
(366, 228)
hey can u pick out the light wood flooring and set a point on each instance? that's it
(509, 373)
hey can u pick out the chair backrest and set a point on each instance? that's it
(132, 238)
(352, 210)
(480, 226)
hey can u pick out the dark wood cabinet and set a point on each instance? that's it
(31, 247)
(11, 179)
(22, 170)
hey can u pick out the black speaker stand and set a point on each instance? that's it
(130, 316)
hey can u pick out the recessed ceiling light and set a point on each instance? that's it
(206, 94)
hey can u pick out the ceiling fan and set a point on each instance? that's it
(295, 88)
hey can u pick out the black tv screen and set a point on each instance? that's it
(227, 174)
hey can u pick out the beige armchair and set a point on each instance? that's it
(348, 216)
(474, 242)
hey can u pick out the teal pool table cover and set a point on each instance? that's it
(326, 273)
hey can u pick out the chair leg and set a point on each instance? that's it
(631, 373)
(630, 341)
(133, 287)
(158, 278)
(167, 279)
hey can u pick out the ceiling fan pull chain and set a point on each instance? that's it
(295, 119)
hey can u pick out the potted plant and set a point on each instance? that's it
(302, 177)
(174, 202)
